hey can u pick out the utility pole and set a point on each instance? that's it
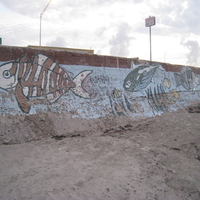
(149, 22)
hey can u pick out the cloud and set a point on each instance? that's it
(121, 41)
(194, 54)
(24, 7)
(191, 16)
(100, 31)
(58, 42)
(103, 2)
(179, 16)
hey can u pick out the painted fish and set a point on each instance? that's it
(187, 78)
(167, 83)
(140, 78)
(116, 93)
(40, 77)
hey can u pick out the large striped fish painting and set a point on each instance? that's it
(40, 77)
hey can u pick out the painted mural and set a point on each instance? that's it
(187, 78)
(140, 77)
(161, 92)
(40, 77)
(93, 92)
(159, 100)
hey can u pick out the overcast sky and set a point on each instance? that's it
(110, 27)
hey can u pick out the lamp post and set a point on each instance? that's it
(41, 14)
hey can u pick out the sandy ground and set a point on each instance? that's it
(151, 159)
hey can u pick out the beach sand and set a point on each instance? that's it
(155, 158)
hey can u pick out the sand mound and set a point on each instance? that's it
(117, 158)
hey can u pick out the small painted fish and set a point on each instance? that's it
(41, 77)
(140, 78)
(116, 93)
(167, 83)
(187, 78)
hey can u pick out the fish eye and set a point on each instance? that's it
(128, 84)
(6, 74)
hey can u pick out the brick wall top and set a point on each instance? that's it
(8, 53)
(65, 57)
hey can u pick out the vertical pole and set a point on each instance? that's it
(150, 42)
(40, 29)
(41, 22)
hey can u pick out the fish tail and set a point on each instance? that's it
(78, 80)
(22, 100)
(161, 68)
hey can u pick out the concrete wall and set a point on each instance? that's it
(91, 86)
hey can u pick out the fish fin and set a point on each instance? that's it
(69, 73)
(143, 68)
(140, 90)
(146, 78)
(161, 68)
(193, 90)
(145, 73)
(53, 97)
(133, 65)
(78, 80)
(24, 59)
(22, 100)
(178, 79)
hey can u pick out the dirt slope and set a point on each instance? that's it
(135, 159)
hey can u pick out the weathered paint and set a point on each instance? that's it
(41, 84)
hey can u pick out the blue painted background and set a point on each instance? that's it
(156, 91)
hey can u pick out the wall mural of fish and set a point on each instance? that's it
(40, 77)
(187, 78)
(140, 77)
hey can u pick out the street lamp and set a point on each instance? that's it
(41, 14)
